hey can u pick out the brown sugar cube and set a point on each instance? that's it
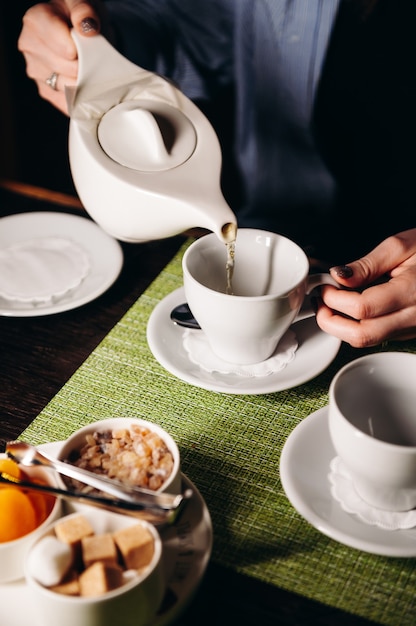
(74, 529)
(100, 578)
(99, 548)
(136, 546)
(69, 586)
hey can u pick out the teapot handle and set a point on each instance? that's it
(99, 61)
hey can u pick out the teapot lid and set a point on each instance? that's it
(147, 135)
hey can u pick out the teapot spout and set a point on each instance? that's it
(228, 232)
(210, 210)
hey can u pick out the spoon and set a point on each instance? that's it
(182, 316)
(28, 455)
(158, 517)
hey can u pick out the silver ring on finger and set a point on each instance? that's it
(52, 81)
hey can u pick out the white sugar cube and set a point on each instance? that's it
(49, 561)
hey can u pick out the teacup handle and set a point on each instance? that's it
(314, 280)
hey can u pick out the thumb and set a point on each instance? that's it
(364, 271)
(84, 17)
(388, 255)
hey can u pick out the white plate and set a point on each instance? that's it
(304, 468)
(104, 252)
(187, 547)
(315, 352)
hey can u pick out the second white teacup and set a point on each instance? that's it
(269, 285)
(372, 423)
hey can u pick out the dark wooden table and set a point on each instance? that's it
(39, 354)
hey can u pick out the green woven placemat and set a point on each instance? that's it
(230, 446)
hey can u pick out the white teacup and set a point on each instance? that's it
(269, 285)
(372, 422)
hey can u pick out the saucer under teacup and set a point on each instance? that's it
(342, 489)
(304, 466)
(199, 351)
(315, 351)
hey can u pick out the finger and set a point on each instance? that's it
(390, 253)
(370, 332)
(41, 67)
(84, 17)
(382, 299)
(61, 82)
(45, 28)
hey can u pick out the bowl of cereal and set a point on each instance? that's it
(96, 568)
(133, 451)
(24, 514)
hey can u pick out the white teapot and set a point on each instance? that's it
(145, 161)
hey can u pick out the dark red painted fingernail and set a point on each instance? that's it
(343, 271)
(88, 25)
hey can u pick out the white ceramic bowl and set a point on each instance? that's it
(13, 553)
(135, 603)
(75, 442)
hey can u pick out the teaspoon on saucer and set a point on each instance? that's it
(182, 316)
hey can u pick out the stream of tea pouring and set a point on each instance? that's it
(144, 159)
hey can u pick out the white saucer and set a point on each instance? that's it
(304, 468)
(104, 253)
(187, 547)
(315, 352)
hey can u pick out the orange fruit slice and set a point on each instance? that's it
(17, 514)
(8, 466)
(42, 503)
